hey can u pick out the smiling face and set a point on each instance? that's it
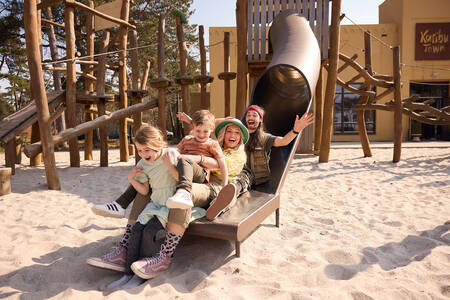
(232, 136)
(252, 119)
(201, 132)
(146, 153)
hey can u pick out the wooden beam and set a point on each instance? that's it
(318, 112)
(100, 88)
(328, 109)
(372, 80)
(85, 127)
(100, 14)
(88, 79)
(242, 64)
(52, 23)
(398, 126)
(123, 102)
(38, 92)
(346, 64)
(204, 101)
(183, 66)
(161, 73)
(71, 81)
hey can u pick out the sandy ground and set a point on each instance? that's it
(353, 228)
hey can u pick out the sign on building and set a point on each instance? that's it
(432, 41)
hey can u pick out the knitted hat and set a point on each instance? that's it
(236, 122)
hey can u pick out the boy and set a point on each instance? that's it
(197, 143)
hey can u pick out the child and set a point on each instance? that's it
(199, 143)
(149, 171)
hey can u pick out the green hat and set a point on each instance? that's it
(236, 122)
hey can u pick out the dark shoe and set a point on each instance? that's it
(225, 199)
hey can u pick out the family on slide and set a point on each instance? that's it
(171, 188)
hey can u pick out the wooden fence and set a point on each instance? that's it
(262, 12)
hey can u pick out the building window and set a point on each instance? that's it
(345, 115)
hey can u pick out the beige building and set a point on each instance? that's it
(420, 28)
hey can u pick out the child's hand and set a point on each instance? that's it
(134, 172)
(168, 158)
(184, 117)
(304, 121)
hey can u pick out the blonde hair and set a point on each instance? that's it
(150, 137)
(203, 117)
(221, 136)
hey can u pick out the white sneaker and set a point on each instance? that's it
(182, 199)
(112, 210)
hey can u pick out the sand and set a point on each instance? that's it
(353, 228)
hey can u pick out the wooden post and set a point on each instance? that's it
(35, 137)
(88, 83)
(161, 74)
(318, 112)
(71, 82)
(135, 75)
(183, 66)
(242, 67)
(226, 66)
(360, 117)
(330, 90)
(226, 76)
(123, 32)
(100, 88)
(10, 155)
(145, 77)
(204, 101)
(38, 92)
(18, 150)
(397, 106)
(136, 84)
(5, 181)
(203, 79)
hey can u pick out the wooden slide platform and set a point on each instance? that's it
(15, 123)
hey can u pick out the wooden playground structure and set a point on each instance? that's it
(252, 17)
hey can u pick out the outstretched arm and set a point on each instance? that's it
(183, 117)
(300, 124)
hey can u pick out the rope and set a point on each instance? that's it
(95, 55)
(425, 67)
(368, 32)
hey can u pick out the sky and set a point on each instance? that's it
(217, 13)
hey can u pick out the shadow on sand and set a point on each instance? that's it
(393, 255)
(58, 271)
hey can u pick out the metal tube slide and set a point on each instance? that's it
(286, 87)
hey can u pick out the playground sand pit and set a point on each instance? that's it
(353, 228)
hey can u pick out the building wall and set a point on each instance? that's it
(352, 42)
(397, 28)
